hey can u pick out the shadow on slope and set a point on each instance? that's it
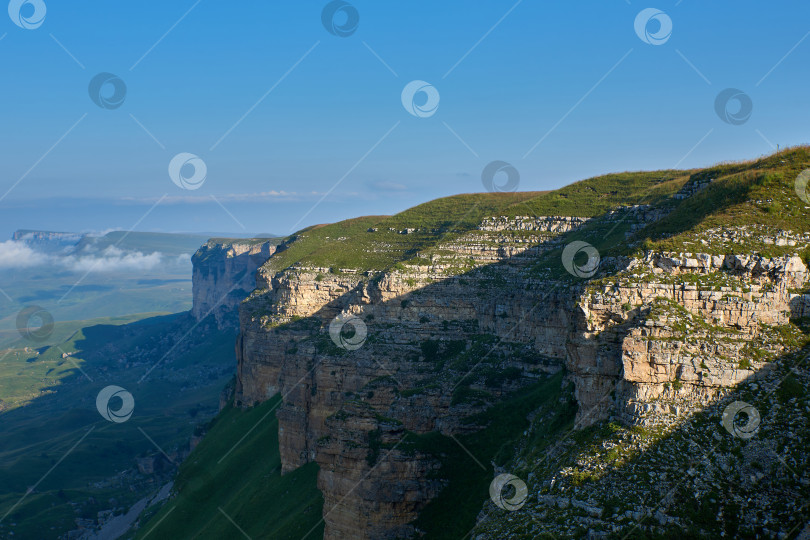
(696, 479)
(61, 461)
(233, 481)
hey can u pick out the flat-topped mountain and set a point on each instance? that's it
(587, 340)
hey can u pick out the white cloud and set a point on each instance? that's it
(18, 255)
(112, 259)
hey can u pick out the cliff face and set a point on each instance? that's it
(361, 358)
(427, 330)
(224, 274)
(671, 330)
(664, 350)
(621, 344)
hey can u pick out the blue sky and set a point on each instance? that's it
(574, 75)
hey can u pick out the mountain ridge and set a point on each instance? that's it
(466, 300)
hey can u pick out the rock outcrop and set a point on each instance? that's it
(224, 274)
(666, 334)
(657, 337)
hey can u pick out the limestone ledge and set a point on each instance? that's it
(657, 338)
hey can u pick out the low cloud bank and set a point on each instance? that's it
(16, 255)
(20, 255)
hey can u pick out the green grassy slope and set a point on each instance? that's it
(759, 192)
(757, 196)
(350, 244)
(595, 196)
(246, 485)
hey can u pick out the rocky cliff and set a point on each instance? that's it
(685, 357)
(224, 274)
(380, 332)
(425, 332)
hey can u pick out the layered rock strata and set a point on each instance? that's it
(645, 338)
(224, 274)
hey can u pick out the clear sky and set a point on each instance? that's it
(284, 113)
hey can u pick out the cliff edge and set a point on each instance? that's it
(224, 274)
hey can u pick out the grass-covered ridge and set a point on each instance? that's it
(378, 242)
(595, 196)
(235, 473)
(757, 193)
